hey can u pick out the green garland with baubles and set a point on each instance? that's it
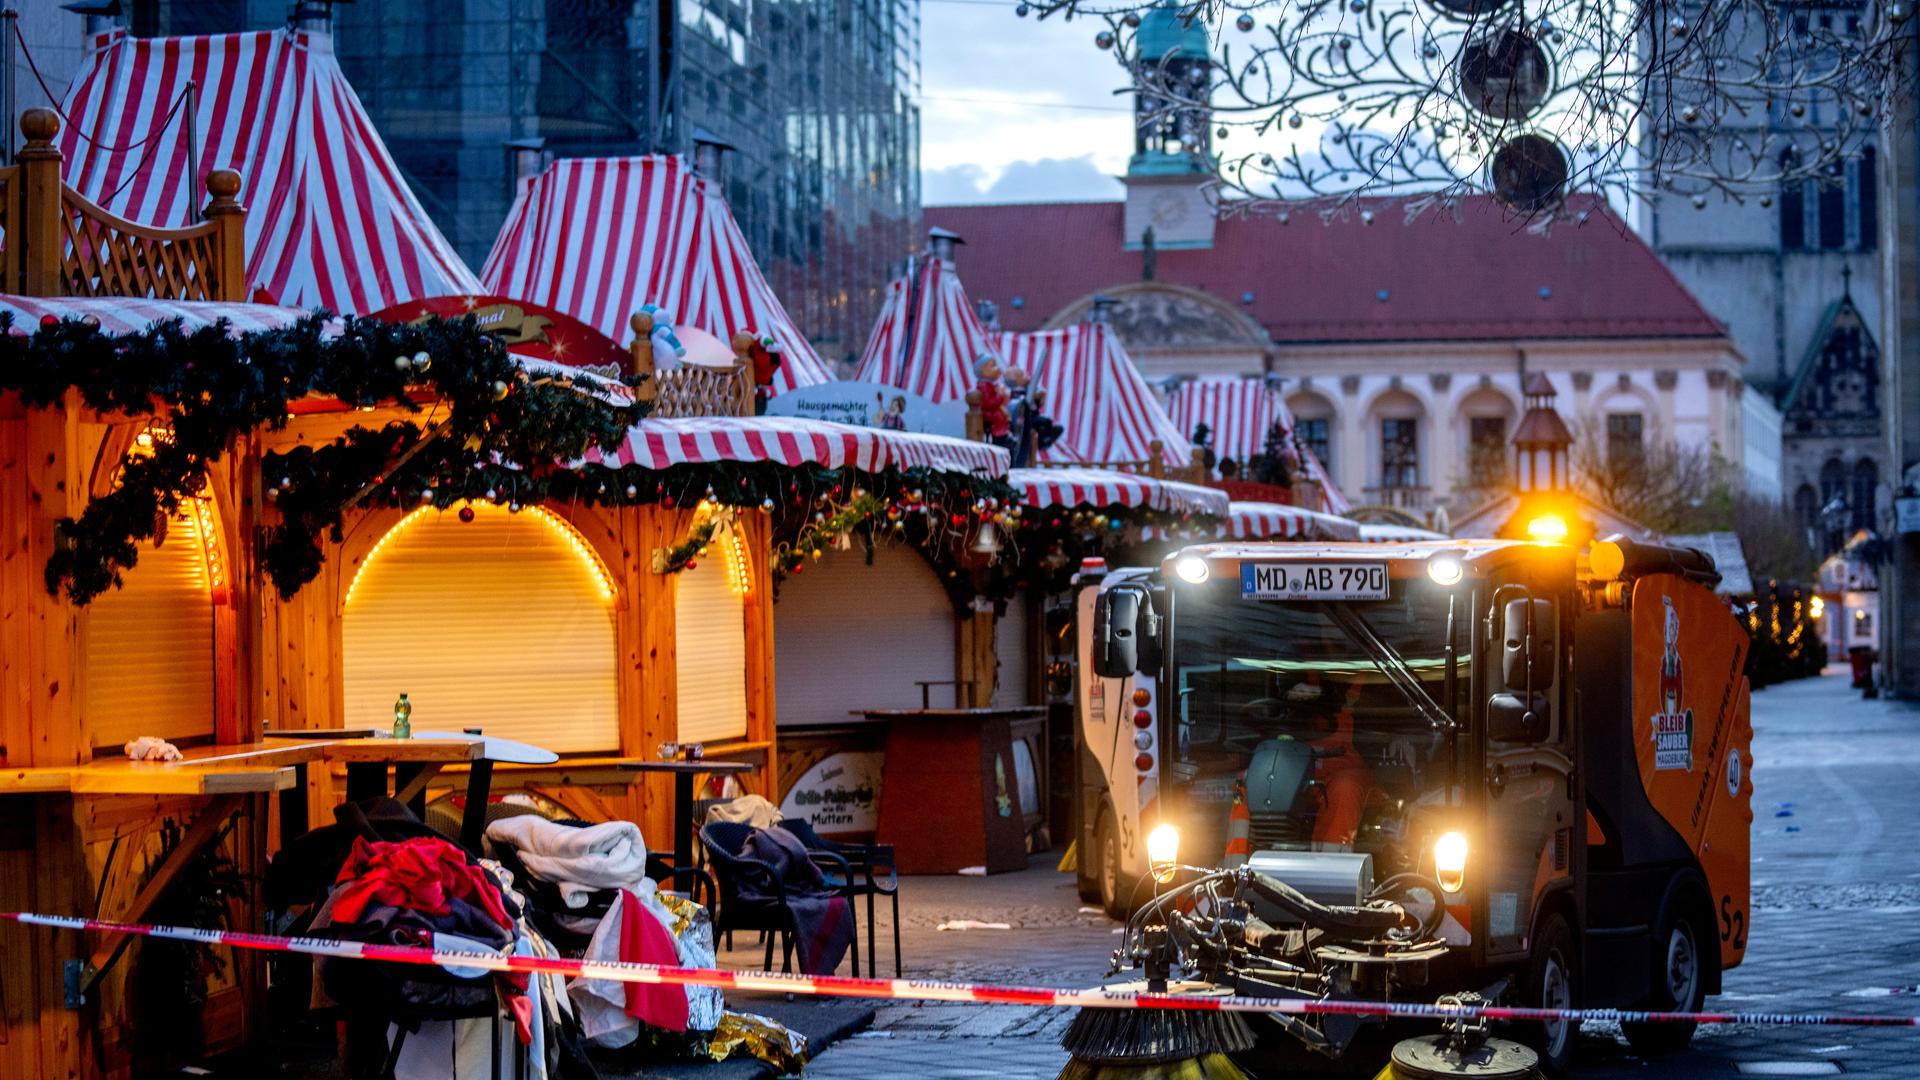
(478, 415)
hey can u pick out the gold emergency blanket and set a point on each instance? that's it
(757, 1036)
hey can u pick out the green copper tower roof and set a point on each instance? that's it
(1164, 32)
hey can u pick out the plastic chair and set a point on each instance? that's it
(868, 863)
(725, 844)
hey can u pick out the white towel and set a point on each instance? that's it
(578, 860)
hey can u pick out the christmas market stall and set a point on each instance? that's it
(86, 437)
(333, 223)
(603, 238)
(1250, 438)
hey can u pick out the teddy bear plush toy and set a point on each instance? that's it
(993, 400)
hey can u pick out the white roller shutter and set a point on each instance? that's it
(851, 636)
(504, 623)
(710, 650)
(1014, 650)
(147, 665)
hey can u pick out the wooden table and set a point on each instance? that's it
(683, 774)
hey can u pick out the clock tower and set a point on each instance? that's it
(1167, 176)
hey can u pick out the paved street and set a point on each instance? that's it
(1837, 889)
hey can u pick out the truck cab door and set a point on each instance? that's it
(1525, 732)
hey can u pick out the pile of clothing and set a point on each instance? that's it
(590, 881)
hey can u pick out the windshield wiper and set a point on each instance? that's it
(1389, 661)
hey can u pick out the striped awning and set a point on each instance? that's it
(927, 337)
(1069, 487)
(125, 315)
(598, 238)
(330, 221)
(1094, 392)
(1275, 521)
(784, 440)
(1238, 413)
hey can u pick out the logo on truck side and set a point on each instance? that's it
(1672, 725)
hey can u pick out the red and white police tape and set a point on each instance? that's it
(915, 989)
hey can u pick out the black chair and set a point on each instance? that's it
(725, 844)
(872, 874)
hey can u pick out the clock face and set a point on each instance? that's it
(1169, 208)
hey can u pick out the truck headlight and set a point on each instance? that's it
(1193, 570)
(1163, 852)
(1450, 861)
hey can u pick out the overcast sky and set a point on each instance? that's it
(1017, 110)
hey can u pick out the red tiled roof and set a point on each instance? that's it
(1478, 278)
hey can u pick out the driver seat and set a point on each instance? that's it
(1280, 812)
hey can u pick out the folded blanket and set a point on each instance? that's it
(747, 809)
(577, 860)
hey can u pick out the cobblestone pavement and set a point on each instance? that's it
(1836, 886)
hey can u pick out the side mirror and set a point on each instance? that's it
(1116, 624)
(1513, 720)
(1528, 629)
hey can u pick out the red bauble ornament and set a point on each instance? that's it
(691, 564)
(48, 322)
(466, 514)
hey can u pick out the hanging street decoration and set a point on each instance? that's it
(1318, 102)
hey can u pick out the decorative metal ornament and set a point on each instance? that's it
(1329, 100)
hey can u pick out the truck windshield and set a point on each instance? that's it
(1324, 718)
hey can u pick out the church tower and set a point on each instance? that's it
(1172, 146)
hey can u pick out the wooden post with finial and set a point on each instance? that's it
(642, 351)
(37, 238)
(229, 221)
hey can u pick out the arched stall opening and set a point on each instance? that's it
(485, 618)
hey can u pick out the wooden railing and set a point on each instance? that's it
(691, 389)
(57, 242)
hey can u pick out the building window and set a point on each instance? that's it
(1806, 507)
(1487, 451)
(1626, 439)
(1314, 436)
(1837, 212)
(1400, 453)
(1866, 482)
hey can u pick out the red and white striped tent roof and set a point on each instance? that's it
(598, 238)
(927, 336)
(1094, 392)
(1276, 521)
(1072, 486)
(785, 440)
(128, 315)
(1238, 413)
(330, 221)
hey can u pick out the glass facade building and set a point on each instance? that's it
(817, 98)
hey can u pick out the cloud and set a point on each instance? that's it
(1018, 108)
(1054, 179)
(953, 185)
(1077, 179)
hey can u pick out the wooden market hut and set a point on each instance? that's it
(602, 238)
(200, 648)
(171, 653)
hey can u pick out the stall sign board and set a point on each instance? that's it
(869, 404)
(840, 794)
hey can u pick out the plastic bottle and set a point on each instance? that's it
(403, 718)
